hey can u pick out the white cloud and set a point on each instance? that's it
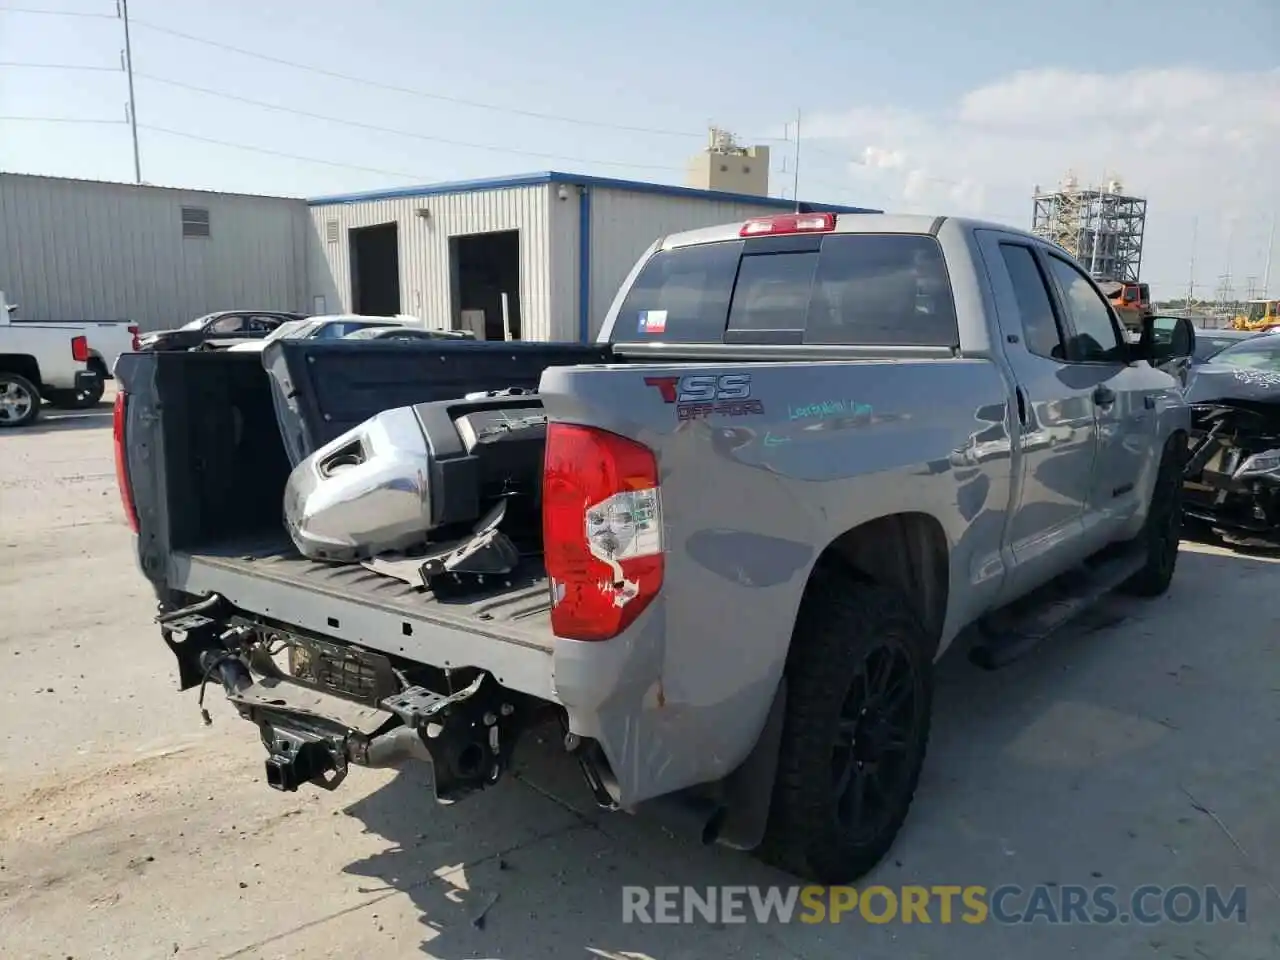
(881, 159)
(1199, 145)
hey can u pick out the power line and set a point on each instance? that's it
(60, 66)
(327, 118)
(221, 143)
(277, 153)
(59, 13)
(364, 81)
(340, 120)
(394, 88)
(90, 120)
(375, 84)
(392, 130)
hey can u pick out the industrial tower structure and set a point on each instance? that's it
(726, 165)
(1100, 226)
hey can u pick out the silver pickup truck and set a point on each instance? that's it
(804, 455)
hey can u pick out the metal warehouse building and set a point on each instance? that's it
(75, 250)
(534, 257)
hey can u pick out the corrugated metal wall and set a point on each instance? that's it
(73, 250)
(424, 249)
(563, 268)
(624, 223)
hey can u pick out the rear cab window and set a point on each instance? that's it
(830, 288)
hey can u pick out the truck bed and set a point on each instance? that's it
(210, 440)
(269, 578)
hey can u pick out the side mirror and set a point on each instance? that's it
(1166, 338)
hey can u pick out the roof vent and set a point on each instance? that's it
(331, 231)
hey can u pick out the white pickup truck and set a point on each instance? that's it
(106, 340)
(41, 361)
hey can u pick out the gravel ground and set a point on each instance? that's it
(1138, 749)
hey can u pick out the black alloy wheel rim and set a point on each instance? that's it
(876, 737)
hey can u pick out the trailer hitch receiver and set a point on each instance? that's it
(298, 756)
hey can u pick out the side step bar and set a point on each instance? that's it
(1013, 632)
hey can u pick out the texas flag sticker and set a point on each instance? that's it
(653, 321)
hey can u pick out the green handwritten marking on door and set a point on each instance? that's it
(829, 408)
(771, 441)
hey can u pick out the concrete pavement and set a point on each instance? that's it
(1138, 749)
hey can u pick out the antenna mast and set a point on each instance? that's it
(1266, 270)
(1191, 268)
(795, 174)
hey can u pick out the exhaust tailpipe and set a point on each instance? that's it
(396, 747)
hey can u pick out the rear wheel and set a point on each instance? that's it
(859, 703)
(19, 401)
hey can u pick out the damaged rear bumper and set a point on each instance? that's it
(312, 736)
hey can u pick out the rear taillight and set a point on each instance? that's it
(601, 530)
(79, 349)
(122, 460)
(133, 332)
(790, 223)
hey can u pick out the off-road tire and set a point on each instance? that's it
(23, 384)
(1162, 532)
(842, 626)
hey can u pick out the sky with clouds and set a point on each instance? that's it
(929, 106)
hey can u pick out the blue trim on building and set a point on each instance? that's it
(574, 179)
(584, 263)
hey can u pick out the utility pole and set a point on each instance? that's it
(795, 174)
(1191, 269)
(123, 11)
(1266, 270)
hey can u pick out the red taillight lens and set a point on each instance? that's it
(133, 332)
(122, 460)
(79, 349)
(791, 223)
(601, 530)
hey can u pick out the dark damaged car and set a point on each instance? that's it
(1233, 467)
(226, 324)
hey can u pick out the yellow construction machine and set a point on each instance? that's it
(1258, 315)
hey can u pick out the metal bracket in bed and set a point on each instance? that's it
(459, 567)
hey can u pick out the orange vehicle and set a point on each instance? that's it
(1132, 301)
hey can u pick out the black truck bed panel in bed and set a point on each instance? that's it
(321, 389)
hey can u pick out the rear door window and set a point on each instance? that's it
(882, 290)
(681, 295)
(1041, 332)
(854, 289)
(1094, 337)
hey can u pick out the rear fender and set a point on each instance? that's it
(754, 490)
